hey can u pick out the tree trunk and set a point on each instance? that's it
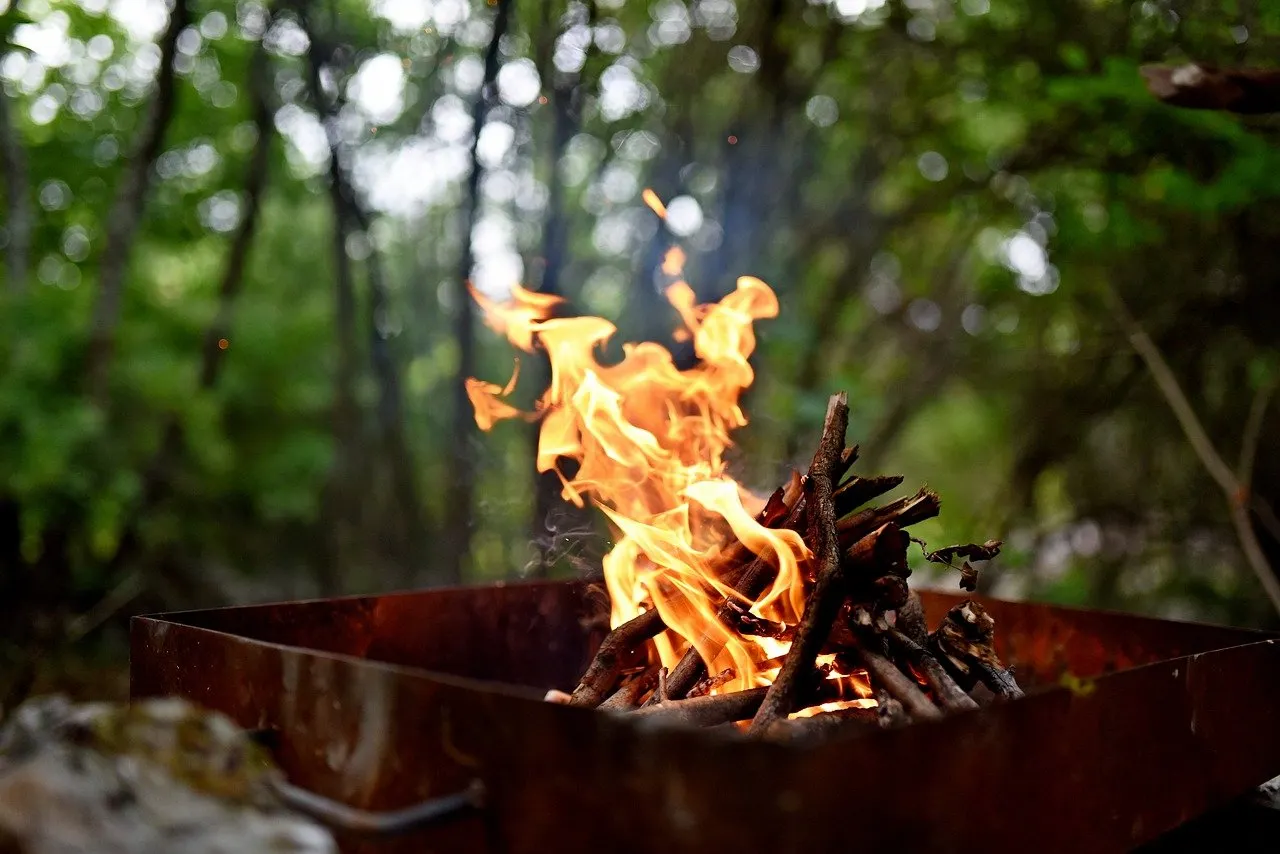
(459, 483)
(126, 211)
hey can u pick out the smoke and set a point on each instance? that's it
(569, 537)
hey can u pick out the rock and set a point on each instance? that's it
(155, 777)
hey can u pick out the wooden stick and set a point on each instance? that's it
(824, 725)
(824, 602)
(707, 684)
(945, 690)
(749, 585)
(899, 686)
(856, 491)
(905, 512)
(910, 620)
(998, 680)
(892, 715)
(734, 706)
(706, 711)
(602, 674)
(628, 696)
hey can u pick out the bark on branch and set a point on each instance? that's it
(1235, 492)
(823, 603)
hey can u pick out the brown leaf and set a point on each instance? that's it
(972, 551)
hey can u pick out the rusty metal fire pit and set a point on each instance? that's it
(1131, 726)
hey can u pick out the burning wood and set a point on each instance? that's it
(797, 602)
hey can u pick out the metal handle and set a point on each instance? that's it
(338, 816)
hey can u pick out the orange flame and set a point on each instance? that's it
(650, 440)
(655, 204)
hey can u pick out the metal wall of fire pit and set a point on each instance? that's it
(382, 702)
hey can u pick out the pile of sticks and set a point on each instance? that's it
(859, 615)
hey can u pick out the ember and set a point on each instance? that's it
(727, 606)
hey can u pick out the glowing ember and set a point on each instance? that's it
(650, 440)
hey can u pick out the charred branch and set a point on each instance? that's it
(824, 602)
(948, 694)
(707, 684)
(824, 726)
(602, 675)
(752, 580)
(629, 695)
(898, 685)
(857, 491)
(903, 512)
(910, 619)
(707, 711)
(998, 680)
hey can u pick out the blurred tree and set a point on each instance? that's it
(206, 203)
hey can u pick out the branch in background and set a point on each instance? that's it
(459, 485)
(157, 475)
(391, 434)
(1253, 433)
(350, 215)
(1249, 453)
(342, 497)
(17, 188)
(126, 210)
(1235, 492)
(1197, 86)
(255, 182)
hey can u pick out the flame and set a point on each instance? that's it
(655, 204)
(650, 440)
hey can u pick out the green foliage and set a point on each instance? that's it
(943, 195)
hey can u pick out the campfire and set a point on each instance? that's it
(790, 611)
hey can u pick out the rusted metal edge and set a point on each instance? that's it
(1104, 765)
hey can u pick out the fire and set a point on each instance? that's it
(650, 442)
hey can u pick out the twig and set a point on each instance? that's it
(904, 512)
(749, 585)
(628, 696)
(910, 619)
(948, 694)
(603, 671)
(126, 209)
(1232, 488)
(857, 491)
(899, 686)
(706, 711)
(1253, 432)
(823, 603)
(825, 725)
(17, 180)
(999, 680)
